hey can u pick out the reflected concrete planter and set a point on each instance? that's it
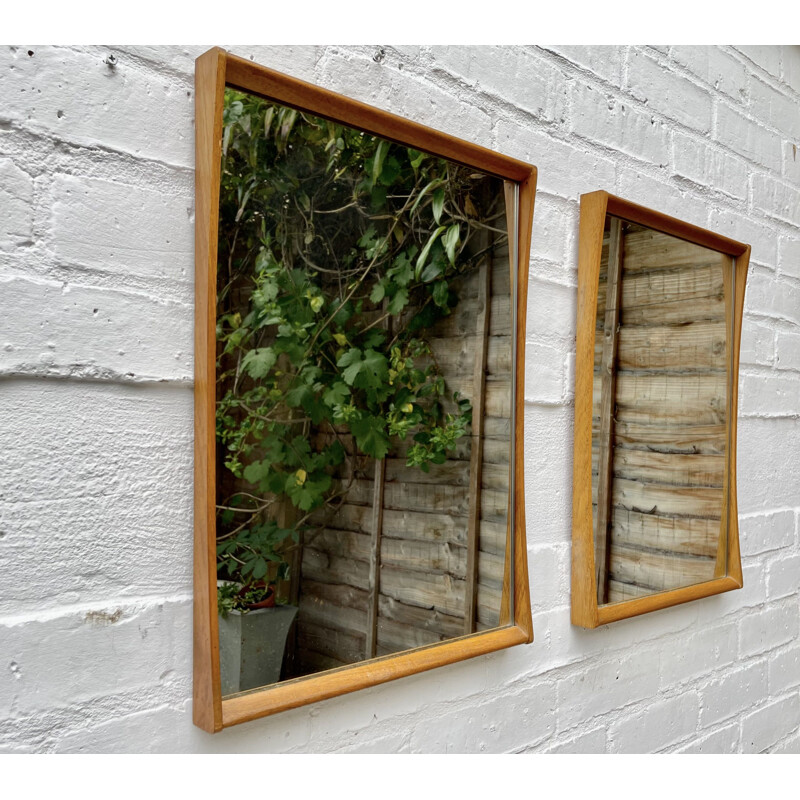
(251, 647)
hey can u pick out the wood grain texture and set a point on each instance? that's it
(209, 92)
(673, 497)
(608, 393)
(301, 691)
(249, 77)
(476, 453)
(590, 246)
(402, 603)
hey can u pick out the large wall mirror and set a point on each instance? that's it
(660, 312)
(361, 285)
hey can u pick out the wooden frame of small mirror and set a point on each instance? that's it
(228, 88)
(654, 497)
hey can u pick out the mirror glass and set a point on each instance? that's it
(662, 362)
(363, 388)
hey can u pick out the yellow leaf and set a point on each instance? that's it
(407, 408)
(340, 338)
(300, 477)
(316, 303)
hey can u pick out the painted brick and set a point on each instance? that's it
(784, 670)
(768, 629)
(554, 224)
(699, 653)
(297, 60)
(561, 643)
(363, 743)
(757, 343)
(743, 228)
(733, 692)
(602, 117)
(789, 256)
(99, 224)
(776, 198)
(150, 731)
(768, 393)
(788, 348)
(526, 715)
(548, 568)
(714, 67)
(658, 193)
(791, 163)
(747, 137)
(790, 64)
(660, 725)
(783, 577)
(773, 444)
(105, 472)
(589, 742)
(789, 746)
(78, 98)
(765, 727)
(605, 687)
(94, 652)
(544, 382)
(774, 297)
(534, 86)
(723, 740)
(702, 164)
(358, 76)
(66, 329)
(16, 195)
(548, 498)
(565, 169)
(604, 61)
(765, 56)
(764, 532)
(774, 108)
(668, 93)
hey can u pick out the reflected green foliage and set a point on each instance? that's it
(337, 252)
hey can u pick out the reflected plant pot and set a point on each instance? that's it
(251, 647)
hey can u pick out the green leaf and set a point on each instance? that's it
(351, 361)
(370, 436)
(377, 161)
(440, 293)
(259, 361)
(423, 256)
(336, 395)
(425, 189)
(450, 241)
(259, 569)
(368, 372)
(438, 204)
(432, 270)
(256, 472)
(378, 292)
(415, 158)
(296, 396)
(398, 302)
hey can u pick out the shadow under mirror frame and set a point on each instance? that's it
(214, 71)
(595, 206)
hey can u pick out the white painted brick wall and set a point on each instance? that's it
(96, 277)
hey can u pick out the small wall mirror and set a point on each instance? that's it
(358, 397)
(660, 310)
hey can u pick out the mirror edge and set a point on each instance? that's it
(585, 611)
(213, 71)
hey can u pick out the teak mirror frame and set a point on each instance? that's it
(215, 70)
(585, 609)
